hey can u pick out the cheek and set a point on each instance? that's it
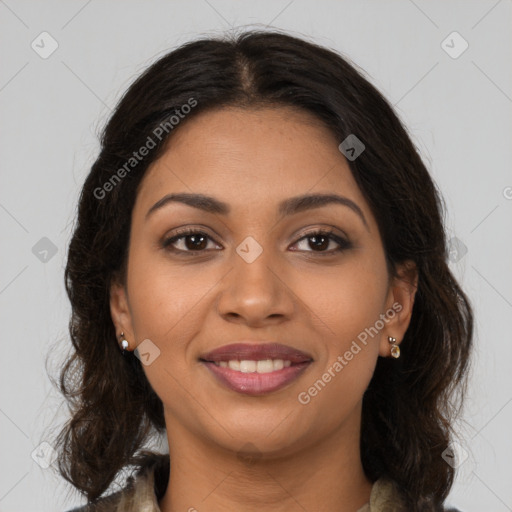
(167, 305)
(346, 302)
(347, 299)
(164, 298)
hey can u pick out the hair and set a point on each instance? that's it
(411, 403)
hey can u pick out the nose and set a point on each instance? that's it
(256, 293)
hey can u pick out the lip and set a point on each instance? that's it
(256, 352)
(256, 383)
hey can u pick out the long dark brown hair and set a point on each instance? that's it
(411, 403)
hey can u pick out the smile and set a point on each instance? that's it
(247, 366)
(255, 368)
(256, 377)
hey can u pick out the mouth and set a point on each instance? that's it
(256, 369)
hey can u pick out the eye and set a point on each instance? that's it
(188, 241)
(193, 241)
(321, 240)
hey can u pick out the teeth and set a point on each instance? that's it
(234, 365)
(248, 366)
(267, 366)
(263, 366)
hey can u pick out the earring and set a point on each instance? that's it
(395, 349)
(124, 343)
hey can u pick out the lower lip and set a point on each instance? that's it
(256, 383)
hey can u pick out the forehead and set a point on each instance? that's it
(250, 157)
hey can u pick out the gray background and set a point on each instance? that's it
(458, 112)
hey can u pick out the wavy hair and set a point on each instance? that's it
(411, 403)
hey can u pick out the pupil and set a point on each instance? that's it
(318, 242)
(197, 242)
(320, 245)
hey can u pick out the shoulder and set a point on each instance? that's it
(141, 493)
(132, 498)
(385, 497)
(105, 503)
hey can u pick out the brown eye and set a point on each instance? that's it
(195, 242)
(188, 241)
(320, 241)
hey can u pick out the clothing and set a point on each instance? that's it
(143, 492)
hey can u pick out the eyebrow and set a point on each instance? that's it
(287, 207)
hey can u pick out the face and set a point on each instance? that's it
(252, 265)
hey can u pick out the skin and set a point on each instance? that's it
(299, 457)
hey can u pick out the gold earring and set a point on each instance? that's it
(395, 349)
(124, 343)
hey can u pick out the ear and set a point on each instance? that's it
(120, 312)
(399, 305)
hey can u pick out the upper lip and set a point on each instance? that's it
(256, 352)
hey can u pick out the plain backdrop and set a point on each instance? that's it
(445, 65)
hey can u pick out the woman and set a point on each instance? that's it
(259, 270)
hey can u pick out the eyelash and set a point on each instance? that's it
(344, 244)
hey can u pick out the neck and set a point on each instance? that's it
(327, 476)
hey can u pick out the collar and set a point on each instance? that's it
(144, 490)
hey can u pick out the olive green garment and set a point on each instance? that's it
(141, 495)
